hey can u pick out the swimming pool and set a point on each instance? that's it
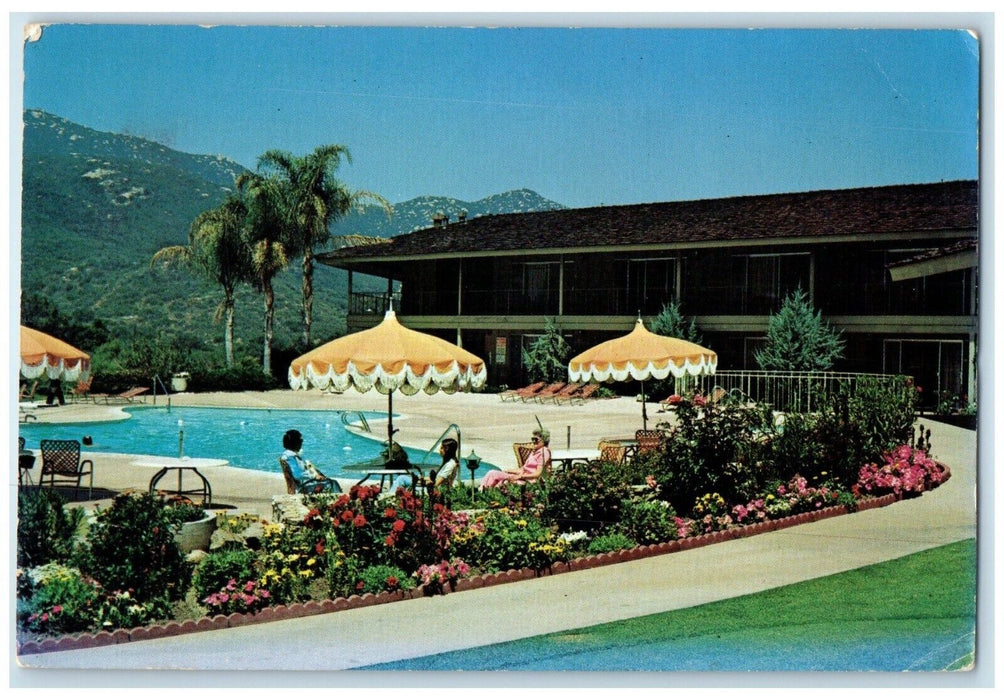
(247, 437)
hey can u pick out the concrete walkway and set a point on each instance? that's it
(412, 628)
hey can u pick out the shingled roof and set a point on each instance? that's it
(872, 210)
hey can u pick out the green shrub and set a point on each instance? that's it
(713, 448)
(54, 598)
(184, 511)
(587, 496)
(219, 566)
(376, 579)
(45, 529)
(648, 522)
(516, 541)
(244, 375)
(610, 542)
(131, 547)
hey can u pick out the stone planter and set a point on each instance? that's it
(179, 382)
(196, 534)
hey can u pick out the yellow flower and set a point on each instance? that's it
(311, 561)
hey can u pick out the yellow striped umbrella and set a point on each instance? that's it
(641, 355)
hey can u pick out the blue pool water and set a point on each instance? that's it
(246, 437)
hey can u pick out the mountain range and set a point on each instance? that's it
(96, 206)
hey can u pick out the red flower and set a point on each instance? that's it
(319, 548)
(390, 540)
(392, 582)
(347, 515)
(398, 525)
(390, 513)
(359, 520)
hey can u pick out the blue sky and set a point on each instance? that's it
(584, 117)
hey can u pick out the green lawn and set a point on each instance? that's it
(914, 613)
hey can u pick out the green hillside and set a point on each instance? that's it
(96, 206)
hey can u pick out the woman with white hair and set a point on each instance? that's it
(532, 467)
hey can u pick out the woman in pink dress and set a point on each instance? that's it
(532, 468)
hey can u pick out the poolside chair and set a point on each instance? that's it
(62, 464)
(648, 440)
(583, 394)
(126, 396)
(307, 485)
(565, 394)
(82, 391)
(517, 394)
(548, 392)
(27, 394)
(615, 452)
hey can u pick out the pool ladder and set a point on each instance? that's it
(157, 380)
(360, 418)
(454, 427)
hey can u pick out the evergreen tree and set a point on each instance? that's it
(798, 340)
(547, 358)
(673, 324)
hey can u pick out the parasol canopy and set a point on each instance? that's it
(43, 354)
(641, 355)
(388, 358)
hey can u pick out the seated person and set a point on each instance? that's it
(532, 468)
(308, 478)
(446, 473)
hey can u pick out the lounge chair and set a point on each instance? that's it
(126, 396)
(548, 392)
(307, 485)
(565, 394)
(27, 394)
(583, 394)
(62, 464)
(520, 394)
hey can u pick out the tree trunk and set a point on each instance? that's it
(308, 296)
(228, 332)
(266, 363)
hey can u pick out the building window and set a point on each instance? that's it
(937, 367)
(540, 287)
(651, 283)
(765, 280)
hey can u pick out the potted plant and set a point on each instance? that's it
(179, 381)
(195, 524)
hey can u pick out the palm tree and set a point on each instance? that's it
(266, 236)
(217, 249)
(315, 199)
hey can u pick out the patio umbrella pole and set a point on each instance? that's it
(390, 421)
(644, 410)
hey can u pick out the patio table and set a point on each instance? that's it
(568, 457)
(179, 465)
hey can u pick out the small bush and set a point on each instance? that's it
(516, 541)
(131, 547)
(215, 571)
(648, 522)
(45, 529)
(55, 598)
(380, 578)
(587, 496)
(611, 542)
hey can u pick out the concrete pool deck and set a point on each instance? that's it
(411, 628)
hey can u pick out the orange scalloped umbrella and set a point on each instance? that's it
(388, 358)
(41, 354)
(641, 355)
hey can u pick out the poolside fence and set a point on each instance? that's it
(787, 392)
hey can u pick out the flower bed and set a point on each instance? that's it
(241, 603)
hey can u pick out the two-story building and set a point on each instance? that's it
(893, 267)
